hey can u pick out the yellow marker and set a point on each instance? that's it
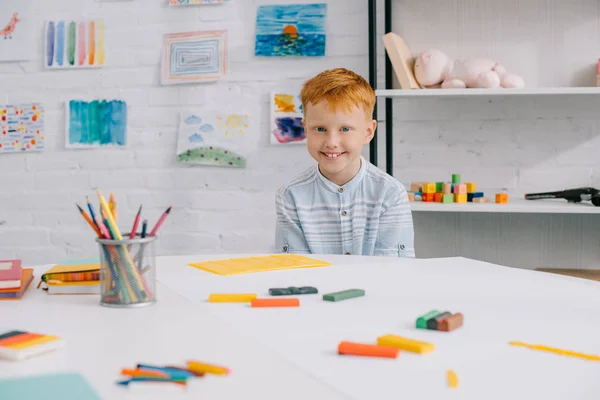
(554, 350)
(452, 379)
(199, 367)
(407, 344)
(231, 298)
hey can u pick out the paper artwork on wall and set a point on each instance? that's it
(96, 124)
(74, 44)
(22, 127)
(17, 33)
(192, 57)
(286, 118)
(214, 138)
(195, 2)
(290, 30)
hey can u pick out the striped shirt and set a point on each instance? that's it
(370, 215)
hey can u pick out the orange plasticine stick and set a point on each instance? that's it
(369, 350)
(143, 372)
(282, 302)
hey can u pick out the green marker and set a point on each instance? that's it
(343, 295)
(422, 320)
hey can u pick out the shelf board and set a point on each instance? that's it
(405, 93)
(545, 206)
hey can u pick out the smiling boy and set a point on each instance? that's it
(344, 204)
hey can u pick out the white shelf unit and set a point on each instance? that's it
(542, 206)
(554, 91)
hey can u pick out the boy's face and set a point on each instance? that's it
(335, 139)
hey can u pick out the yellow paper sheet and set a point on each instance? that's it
(234, 266)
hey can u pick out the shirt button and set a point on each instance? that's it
(341, 190)
(344, 213)
(401, 247)
(347, 253)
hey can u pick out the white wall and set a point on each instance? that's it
(521, 144)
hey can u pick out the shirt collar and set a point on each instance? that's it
(352, 184)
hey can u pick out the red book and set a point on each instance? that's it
(10, 274)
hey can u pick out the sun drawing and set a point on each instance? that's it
(234, 123)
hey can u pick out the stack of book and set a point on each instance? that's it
(80, 276)
(14, 280)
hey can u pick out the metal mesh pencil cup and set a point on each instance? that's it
(127, 272)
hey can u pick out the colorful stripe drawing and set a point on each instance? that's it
(73, 44)
(213, 138)
(22, 127)
(291, 30)
(286, 118)
(194, 57)
(95, 124)
(17, 35)
(195, 2)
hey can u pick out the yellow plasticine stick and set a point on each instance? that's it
(231, 297)
(562, 352)
(407, 344)
(452, 379)
(199, 367)
(33, 342)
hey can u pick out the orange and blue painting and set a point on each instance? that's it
(21, 127)
(74, 44)
(291, 30)
(286, 118)
(17, 35)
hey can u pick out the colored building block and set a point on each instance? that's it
(439, 186)
(416, 186)
(277, 302)
(471, 196)
(402, 343)
(343, 295)
(501, 198)
(448, 198)
(460, 188)
(438, 197)
(367, 349)
(429, 188)
(418, 197)
(481, 200)
(447, 188)
(293, 291)
(422, 320)
(452, 185)
(432, 323)
(455, 178)
(460, 198)
(430, 197)
(231, 297)
(471, 187)
(411, 196)
(451, 323)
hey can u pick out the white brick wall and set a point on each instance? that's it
(523, 144)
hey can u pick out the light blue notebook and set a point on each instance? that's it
(64, 386)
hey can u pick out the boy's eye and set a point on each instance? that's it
(345, 129)
(320, 129)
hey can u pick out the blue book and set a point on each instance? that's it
(63, 386)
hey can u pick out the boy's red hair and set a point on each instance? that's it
(339, 87)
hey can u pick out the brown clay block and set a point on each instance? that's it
(481, 200)
(411, 196)
(447, 188)
(451, 323)
(416, 187)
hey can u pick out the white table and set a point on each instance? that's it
(500, 304)
(101, 341)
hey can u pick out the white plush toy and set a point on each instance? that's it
(434, 69)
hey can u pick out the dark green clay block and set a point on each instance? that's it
(432, 323)
(422, 320)
(293, 291)
(343, 295)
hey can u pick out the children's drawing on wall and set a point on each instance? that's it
(22, 127)
(194, 57)
(290, 30)
(97, 123)
(74, 44)
(213, 138)
(193, 2)
(286, 118)
(17, 34)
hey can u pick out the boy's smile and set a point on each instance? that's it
(335, 138)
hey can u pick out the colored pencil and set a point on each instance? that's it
(112, 205)
(102, 228)
(160, 221)
(111, 220)
(144, 227)
(92, 213)
(89, 221)
(136, 222)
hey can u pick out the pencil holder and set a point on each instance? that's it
(127, 272)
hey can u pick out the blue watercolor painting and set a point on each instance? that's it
(291, 30)
(98, 123)
(289, 129)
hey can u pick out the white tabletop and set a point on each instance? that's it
(500, 304)
(101, 341)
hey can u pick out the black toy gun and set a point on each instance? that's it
(571, 195)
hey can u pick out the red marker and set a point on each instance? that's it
(136, 222)
(160, 222)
